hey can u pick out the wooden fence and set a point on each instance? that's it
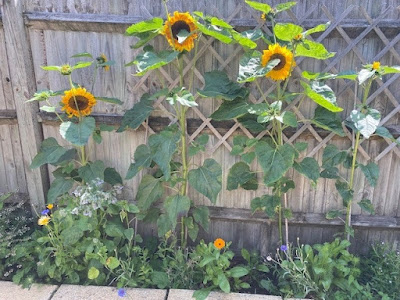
(48, 32)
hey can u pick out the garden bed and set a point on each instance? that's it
(9, 290)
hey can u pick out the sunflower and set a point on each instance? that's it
(44, 220)
(376, 65)
(282, 70)
(219, 243)
(78, 102)
(102, 59)
(176, 23)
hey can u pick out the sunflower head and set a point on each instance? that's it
(219, 243)
(282, 70)
(180, 21)
(66, 70)
(376, 65)
(102, 59)
(78, 102)
(44, 220)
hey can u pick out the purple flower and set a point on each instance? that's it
(45, 212)
(121, 292)
(283, 248)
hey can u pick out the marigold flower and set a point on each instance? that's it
(44, 220)
(78, 102)
(219, 243)
(376, 65)
(282, 70)
(176, 23)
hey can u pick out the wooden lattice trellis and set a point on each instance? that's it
(207, 48)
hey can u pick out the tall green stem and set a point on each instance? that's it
(185, 167)
(354, 161)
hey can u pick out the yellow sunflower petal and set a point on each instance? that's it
(180, 21)
(78, 102)
(284, 68)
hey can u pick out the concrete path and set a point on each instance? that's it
(11, 291)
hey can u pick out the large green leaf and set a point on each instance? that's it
(163, 147)
(59, 187)
(150, 60)
(313, 49)
(366, 123)
(218, 85)
(231, 109)
(145, 26)
(71, 235)
(222, 34)
(239, 175)
(322, 95)
(371, 172)
(207, 179)
(344, 191)
(92, 171)
(149, 191)
(164, 225)
(243, 40)
(265, 8)
(175, 205)
(78, 133)
(287, 31)
(328, 120)
(112, 177)
(308, 167)
(332, 156)
(201, 215)
(250, 66)
(223, 283)
(266, 203)
(274, 161)
(142, 158)
(51, 153)
(144, 38)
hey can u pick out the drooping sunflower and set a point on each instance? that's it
(78, 102)
(219, 243)
(282, 70)
(102, 59)
(174, 24)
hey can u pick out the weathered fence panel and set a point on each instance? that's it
(362, 31)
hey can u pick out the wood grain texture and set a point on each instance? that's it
(23, 86)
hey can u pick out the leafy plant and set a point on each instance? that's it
(326, 271)
(77, 127)
(380, 269)
(275, 157)
(169, 152)
(364, 122)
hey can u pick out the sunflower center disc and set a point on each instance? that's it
(81, 102)
(281, 63)
(178, 26)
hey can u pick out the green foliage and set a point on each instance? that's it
(326, 271)
(250, 67)
(51, 153)
(322, 95)
(231, 110)
(367, 122)
(328, 120)
(380, 269)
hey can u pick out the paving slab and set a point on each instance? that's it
(11, 291)
(78, 292)
(175, 294)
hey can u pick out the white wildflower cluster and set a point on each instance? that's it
(92, 196)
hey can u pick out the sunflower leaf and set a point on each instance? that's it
(250, 66)
(366, 123)
(318, 28)
(265, 8)
(322, 95)
(243, 40)
(78, 133)
(218, 32)
(390, 70)
(144, 37)
(313, 49)
(83, 54)
(51, 68)
(82, 64)
(50, 153)
(284, 6)
(150, 60)
(328, 120)
(231, 109)
(218, 85)
(145, 26)
(287, 31)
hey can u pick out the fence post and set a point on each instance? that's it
(22, 79)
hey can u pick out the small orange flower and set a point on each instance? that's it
(376, 65)
(298, 37)
(219, 243)
(263, 16)
(50, 206)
